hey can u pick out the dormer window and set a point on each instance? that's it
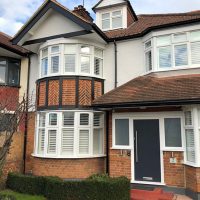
(112, 20)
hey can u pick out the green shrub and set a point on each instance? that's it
(7, 197)
(96, 187)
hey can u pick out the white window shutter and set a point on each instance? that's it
(68, 141)
(84, 142)
(165, 57)
(195, 53)
(190, 145)
(84, 119)
(52, 137)
(70, 63)
(188, 118)
(181, 55)
(68, 119)
(41, 139)
(85, 64)
(54, 64)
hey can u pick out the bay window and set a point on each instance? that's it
(71, 59)
(112, 20)
(174, 51)
(9, 71)
(70, 134)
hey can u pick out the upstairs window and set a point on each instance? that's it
(70, 59)
(55, 59)
(112, 20)
(44, 64)
(148, 56)
(98, 62)
(9, 71)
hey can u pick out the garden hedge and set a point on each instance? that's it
(6, 197)
(97, 187)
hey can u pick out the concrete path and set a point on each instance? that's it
(181, 197)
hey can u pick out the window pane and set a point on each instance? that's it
(98, 64)
(68, 119)
(116, 13)
(84, 142)
(106, 16)
(98, 53)
(98, 141)
(53, 119)
(70, 49)
(52, 137)
(190, 145)
(41, 136)
(42, 120)
(98, 120)
(181, 55)
(55, 49)
(85, 64)
(13, 72)
(147, 44)
(148, 59)
(165, 57)
(117, 22)
(122, 132)
(44, 67)
(85, 49)
(84, 119)
(54, 64)
(188, 118)
(173, 132)
(67, 141)
(164, 40)
(70, 63)
(195, 35)
(106, 24)
(195, 52)
(180, 37)
(2, 74)
(44, 53)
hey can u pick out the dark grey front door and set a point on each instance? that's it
(147, 150)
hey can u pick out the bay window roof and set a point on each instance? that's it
(153, 91)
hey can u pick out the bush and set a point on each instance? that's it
(96, 187)
(7, 197)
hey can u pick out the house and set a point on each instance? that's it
(119, 96)
(13, 87)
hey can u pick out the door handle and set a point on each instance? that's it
(136, 146)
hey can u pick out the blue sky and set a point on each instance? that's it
(14, 13)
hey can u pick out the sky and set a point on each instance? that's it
(14, 13)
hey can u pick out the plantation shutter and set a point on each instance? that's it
(54, 64)
(84, 119)
(68, 119)
(188, 118)
(181, 55)
(85, 64)
(68, 141)
(98, 141)
(41, 137)
(190, 145)
(52, 137)
(165, 57)
(70, 63)
(148, 60)
(195, 52)
(84, 142)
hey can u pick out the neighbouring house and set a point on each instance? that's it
(13, 86)
(119, 96)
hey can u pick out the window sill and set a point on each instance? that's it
(173, 149)
(7, 85)
(67, 157)
(122, 148)
(191, 164)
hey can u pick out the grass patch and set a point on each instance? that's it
(20, 196)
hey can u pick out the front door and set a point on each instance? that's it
(147, 150)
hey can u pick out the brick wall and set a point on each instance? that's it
(174, 173)
(69, 92)
(130, 18)
(68, 168)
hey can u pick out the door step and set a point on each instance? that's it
(156, 194)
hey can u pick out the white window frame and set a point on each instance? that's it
(59, 129)
(101, 58)
(146, 50)
(54, 55)
(111, 19)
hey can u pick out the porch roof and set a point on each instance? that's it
(153, 91)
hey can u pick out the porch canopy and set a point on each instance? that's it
(153, 91)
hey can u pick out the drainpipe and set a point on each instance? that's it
(26, 115)
(107, 143)
(115, 47)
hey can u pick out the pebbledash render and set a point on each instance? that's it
(119, 96)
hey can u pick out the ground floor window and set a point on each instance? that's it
(69, 134)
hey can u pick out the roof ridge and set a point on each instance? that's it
(5, 35)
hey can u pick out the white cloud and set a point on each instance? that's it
(14, 13)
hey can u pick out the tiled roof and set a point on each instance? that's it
(146, 23)
(5, 42)
(153, 89)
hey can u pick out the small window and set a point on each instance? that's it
(182, 37)
(195, 52)
(148, 60)
(165, 57)
(190, 145)
(85, 49)
(117, 19)
(68, 119)
(53, 119)
(2, 74)
(55, 49)
(42, 120)
(85, 64)
(181, 55)
(122, 132)
(84, 119)
(173, 132)
(98, 62)
(164, 40)
(54, 64)
(188, 118)
(98, 120)
(195, 35)
(84, 142)
(44, 69)
(148, 44)
(106, 21)
(98, 141)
